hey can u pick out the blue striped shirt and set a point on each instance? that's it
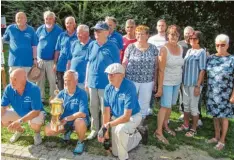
(194, 62)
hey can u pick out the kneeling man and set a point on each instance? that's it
(75, 115)
(120, 101)
(26, 106)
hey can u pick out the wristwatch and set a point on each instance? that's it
(34, 58)
(197, 85)
(20, 121)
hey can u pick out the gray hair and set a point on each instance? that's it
(130, 21)
(188, 28)
(83, 27)
(222, 37)
(111, 18)
(70, 17)
(49, 14)
(73, 72)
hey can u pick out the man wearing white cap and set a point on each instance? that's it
(120, 101)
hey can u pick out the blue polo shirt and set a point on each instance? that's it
(78, 102)
(117, 38)
(123, 98)
(63, 45)
(80, 58)
(22, 105)
(20, 45)
(47, 41)
(101, 57)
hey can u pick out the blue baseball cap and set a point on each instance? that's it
(101, 25)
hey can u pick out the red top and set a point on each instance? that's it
(126, 42)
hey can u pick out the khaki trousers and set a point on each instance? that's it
(125, 137)
(47, 67)
(96, 104)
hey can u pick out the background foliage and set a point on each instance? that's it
(209, 17)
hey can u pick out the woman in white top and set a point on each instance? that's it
(170, 78)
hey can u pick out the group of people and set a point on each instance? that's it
(120, 75)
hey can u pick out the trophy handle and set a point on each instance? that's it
(56, 92)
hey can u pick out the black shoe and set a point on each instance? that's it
(143, 130)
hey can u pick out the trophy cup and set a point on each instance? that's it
(56, 112)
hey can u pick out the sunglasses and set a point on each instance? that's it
(220, 45)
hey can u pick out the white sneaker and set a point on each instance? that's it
(92, 135)
(37, 139)
(199, 123)
(181, 118)
(15, 137)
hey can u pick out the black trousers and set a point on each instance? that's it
(59, 80)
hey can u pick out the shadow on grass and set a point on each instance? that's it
(198, 142)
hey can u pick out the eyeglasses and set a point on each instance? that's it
(193, 39)
(220, 45)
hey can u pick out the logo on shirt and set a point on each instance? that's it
(121, 96)
(105, 51)
(74, 101)
(27, 99)
(27, 35)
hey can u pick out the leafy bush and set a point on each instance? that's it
(211, 18)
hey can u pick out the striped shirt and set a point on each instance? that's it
(194, 62)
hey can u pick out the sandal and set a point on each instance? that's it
(212, 140)
(220, 146)
(161, 138)
(182, 128)
(169, 131)
(191, 133)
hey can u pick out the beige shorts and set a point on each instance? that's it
(10, 116)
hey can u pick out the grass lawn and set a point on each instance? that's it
(93, 147)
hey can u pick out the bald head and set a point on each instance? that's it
(18, 78)
(21, 19)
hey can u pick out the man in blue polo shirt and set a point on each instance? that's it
(76, 114)
(102, 53)
(22, 44)
(121, 102)
(114, 36)
(80, 51)
(47, 34)
(25, 100)
(63, 49)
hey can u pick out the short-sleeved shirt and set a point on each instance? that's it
(126, 42)
(47, 41)
(194, 62)
(63, 45)
(78, 102)
(100, 57)
(124, 98)
(141, 64)
(186, 47)
(79, 60)
(158, 41)
(117, 38)
(20, 45)
(22, 105)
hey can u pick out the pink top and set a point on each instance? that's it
(126, 42)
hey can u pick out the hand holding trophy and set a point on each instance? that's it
(56, 112)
